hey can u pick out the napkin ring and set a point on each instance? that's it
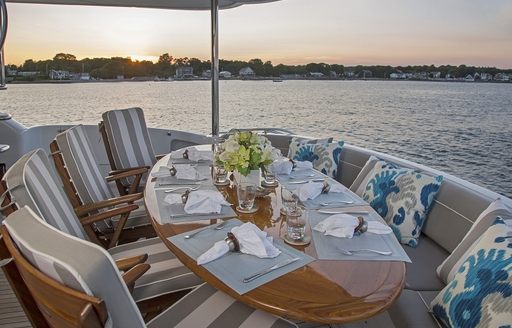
(294, 165)
(362, 227)
(173, 171)
(326, 188)
(233, 244)
(185, 154)
(184, 197)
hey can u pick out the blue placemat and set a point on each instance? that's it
(332, 199)
(232, 268)
(175, 213)
(326, 246)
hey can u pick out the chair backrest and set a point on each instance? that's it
(32, 182)
(128, 138)
(81, 166)
(73, 281)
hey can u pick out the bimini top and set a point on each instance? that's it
(161, 4)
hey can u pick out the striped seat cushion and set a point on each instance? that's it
(128, 137)
(33, 183)
(208, 307)
(75, 263)
(32, 175)
(167, 273)
(82, 167)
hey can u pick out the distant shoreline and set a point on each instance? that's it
(235, 79)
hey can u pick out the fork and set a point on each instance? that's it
(338, 202)
(352, 251)
(181, 188)
(219, 226)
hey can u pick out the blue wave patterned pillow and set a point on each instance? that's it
(402, 197)
(324, 156)
(480, 294)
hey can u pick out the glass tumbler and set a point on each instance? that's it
(246, 194)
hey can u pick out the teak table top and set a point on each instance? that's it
(323, 291)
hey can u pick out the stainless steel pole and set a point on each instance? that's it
(215, 66)
(3, 34)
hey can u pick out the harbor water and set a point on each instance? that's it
(464, 129)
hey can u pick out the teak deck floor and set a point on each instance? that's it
(11, 312)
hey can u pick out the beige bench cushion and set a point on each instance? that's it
(421, 273)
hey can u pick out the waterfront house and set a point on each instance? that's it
(502, 77)
(364, 74)
(184, 72)
(246, 72)
(59, 75)
(225, 74)
(207, 74)
(27, 73)
(485, 76)
(469, 78)
(316, 75)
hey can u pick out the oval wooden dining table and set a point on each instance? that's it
(324, 291)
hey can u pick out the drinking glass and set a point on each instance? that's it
(296, 224)
(289, 200)
(246, 193)
(220, 175)
(269, 175)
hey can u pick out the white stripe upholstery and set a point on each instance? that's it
(83, 169)
(75, 260)
(208, 307)
(34, 177)
(128, 138)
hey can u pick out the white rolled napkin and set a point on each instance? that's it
(252, 241)
(161, 173)
(282, 165)
(338, 225)
(302, 165)
(343, 225)
(310, 190)
(188, 172)
(193, 154)
(204, 202)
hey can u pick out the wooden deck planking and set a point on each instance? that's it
(11, 312)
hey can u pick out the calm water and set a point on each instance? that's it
(461, 128)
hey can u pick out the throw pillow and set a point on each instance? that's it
(296, 142)
(362, 178)
(480, 295)
(446, 271)
(402, 197)
(325, 157)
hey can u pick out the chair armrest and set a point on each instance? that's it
(114, 172)
(88, 208)
(127, 263)
(108, 214)
(135, 273)
(126, 174)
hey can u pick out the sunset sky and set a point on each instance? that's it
(349, 32)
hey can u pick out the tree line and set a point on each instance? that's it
(110, 68)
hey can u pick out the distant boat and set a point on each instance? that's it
(277, 80)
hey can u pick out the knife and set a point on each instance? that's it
(272, 268)
(298, 182)
(178, 183)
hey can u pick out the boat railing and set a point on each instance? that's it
(261, 130)
(3, 34)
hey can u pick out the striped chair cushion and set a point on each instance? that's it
(208, 307)
(75, 263)
(128, 137)
(33, 183)
(82, 166)
(167, 273)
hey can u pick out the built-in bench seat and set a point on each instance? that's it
(452, 214)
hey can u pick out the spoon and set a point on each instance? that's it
(352, 251)
(338, 202)
(219, 226)
(181, 188)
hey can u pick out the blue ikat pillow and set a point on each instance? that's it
(402, 197)
(480, 294)
(324, 156)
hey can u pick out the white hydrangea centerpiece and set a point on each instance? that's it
(244, 151)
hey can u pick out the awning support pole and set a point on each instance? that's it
(215, 66)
